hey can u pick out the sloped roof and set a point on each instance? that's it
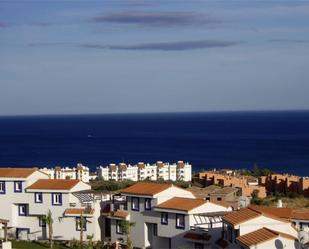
(146, 188)
(240, 216)
(54, 184)
(262, 235)
(284, 213)
(248, 213)
(78, 211)
(120, 214)
(16, 172)
(181, 204)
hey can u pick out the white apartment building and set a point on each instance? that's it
(165, 216)
(80, 172)
(26, 195)
(250, 228)
(141, 171)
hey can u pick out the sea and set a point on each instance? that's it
(278, 140)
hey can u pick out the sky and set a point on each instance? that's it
(116, 56)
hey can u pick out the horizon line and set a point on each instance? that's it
(151, 113)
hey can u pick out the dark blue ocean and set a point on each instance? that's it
(277, 140)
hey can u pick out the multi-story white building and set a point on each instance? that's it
(141, 171)
(26, 195)
(80, 172)
(166, 216)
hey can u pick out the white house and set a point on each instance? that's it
(254, 229)
(166, 216)
(26, 195)
(141, 171)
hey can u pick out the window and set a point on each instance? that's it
(56, 199)
(180, 221)
(147, 204)
(81, 223)
(164, 218)
(155, 230)
(135, 204)
(2, 187)
(18, 187)
(119, 229)
(22, 210)
(38, 197)
(42, 221)
(219, 199)
(198, 246)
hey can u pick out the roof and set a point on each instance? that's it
(224, 191)
(120, 214)
(262, 235)
(78, 211)
(54, 184)
(181, 204)
(146, 188)
(240, 216)
(248, 213)
(202, 192)
(197, 236)
(284, 213)
(16, 172)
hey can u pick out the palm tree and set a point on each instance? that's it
(81, 223)
(49, 221)
(126, 228)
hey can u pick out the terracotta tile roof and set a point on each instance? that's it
(181, 204)
(141, 165)
(146, 188)
(120, 214)
(78, 211)
(283, 213)
(240, 216)
(202, 193)
(180, 164)
(54, 184)
(197, 236)
(262, 235)
(17, 172)
(251, 212)
(113, 167)
(123, 166)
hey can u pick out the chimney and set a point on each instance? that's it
(279, 204)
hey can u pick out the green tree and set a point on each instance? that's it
(48, 219)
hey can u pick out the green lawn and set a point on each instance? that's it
(31, 245)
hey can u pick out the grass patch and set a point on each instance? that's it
(32, 245)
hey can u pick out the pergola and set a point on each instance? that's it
(5, 224)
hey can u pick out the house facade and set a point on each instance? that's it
(27, 195)
(166, 216)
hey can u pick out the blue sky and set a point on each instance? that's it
(59, 57)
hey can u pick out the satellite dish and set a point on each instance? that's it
(243, 201)
(303, 237)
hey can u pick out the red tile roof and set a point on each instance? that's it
(146, 188)
(262, 235)
(78, 211)
(120, 214)
(54, 184)
(248, 213)
(181, 204)
(240, 216)
(16, 172)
